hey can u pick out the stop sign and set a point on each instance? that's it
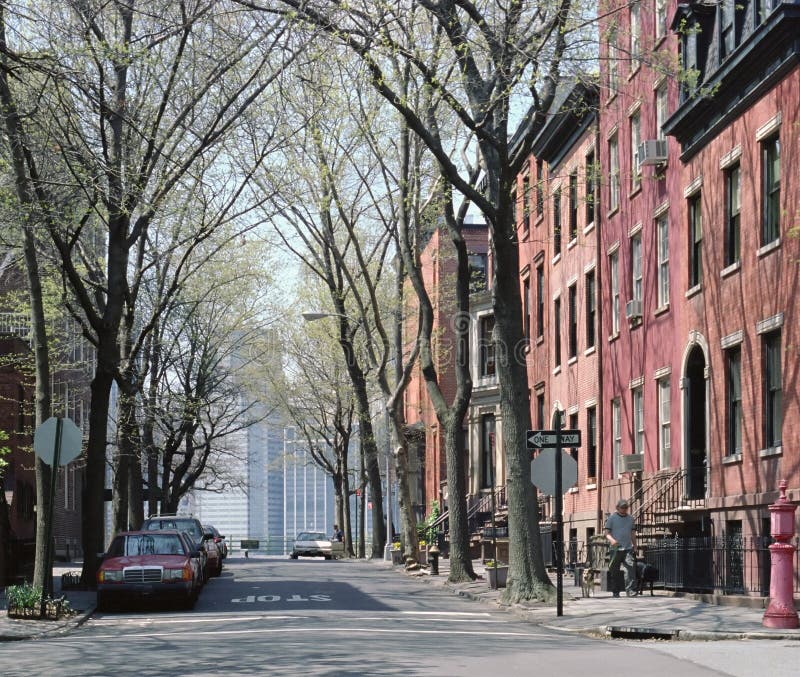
(543, 471)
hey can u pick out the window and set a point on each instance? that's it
(734, 393)
(573, 206)
(573, 425)
(573, 321)
(487, 355)
(540, 301)
(591, 309)
(771, 154)
(772, 389)
(613, 64)
(636, 267)
(487, 450)
(661, 110)
(540, 411)
(591, 443)
(636, 139)
(526, 308)
(616, 432)
(590, 179)
(526, 202)
(539, 189)
(477, 272)
(661, 18)
(613, 264)
(613, 178)
(638, 420)
(557, 332)
(732, 210)
(662, 245)
(557, 222)
(663, 423)
(636, 33)
(727, 33)
(695, 241)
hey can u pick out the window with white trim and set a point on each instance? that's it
(616, 433)
(613, 174)
(662, 246)
(613, 265)
(636, 267)
(638, 420)
(664, 444)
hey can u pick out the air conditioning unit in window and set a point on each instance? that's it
(653, 152)
(633, 309)
(631, 463)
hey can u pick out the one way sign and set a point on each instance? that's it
(538, 439)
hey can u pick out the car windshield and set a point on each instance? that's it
(178, 525)
(146, 544)
(312, 536)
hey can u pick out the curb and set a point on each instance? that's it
(605, 631)
(62, 629)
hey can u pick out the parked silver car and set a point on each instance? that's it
(312, 544)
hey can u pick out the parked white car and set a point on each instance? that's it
(312, 544)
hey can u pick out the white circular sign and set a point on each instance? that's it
(44, 441)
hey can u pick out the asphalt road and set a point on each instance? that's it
(313, 617)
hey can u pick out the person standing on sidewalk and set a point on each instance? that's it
(621, 535)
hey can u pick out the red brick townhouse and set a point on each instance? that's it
(699, 257)
(438, 262)
(558, 231)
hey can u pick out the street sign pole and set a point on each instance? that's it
(47, 588)
(559, 507)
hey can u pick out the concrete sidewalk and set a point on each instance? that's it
(664, 615)
(82, 602)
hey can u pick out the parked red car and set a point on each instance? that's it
(161, 565)
(219, 539)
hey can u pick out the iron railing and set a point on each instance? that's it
(15, 324)
(727, 564)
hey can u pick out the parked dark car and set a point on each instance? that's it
(146, 565)
(219, 539)
(190, 525)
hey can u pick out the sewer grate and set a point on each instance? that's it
(620, 632)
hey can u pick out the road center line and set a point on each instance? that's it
(447, 613)
(316, 630)
(163, 621)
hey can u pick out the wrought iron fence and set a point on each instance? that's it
(731, 565)
(728, 564)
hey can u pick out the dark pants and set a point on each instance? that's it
(622, 558)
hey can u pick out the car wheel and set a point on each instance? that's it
(294, 555)
(219, 567)
(328, 557)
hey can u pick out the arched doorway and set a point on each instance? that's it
(695, 423)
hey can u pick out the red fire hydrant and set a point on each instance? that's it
(781, 612)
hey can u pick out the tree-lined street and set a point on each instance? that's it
(273, 616)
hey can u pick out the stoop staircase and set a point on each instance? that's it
(660, 504)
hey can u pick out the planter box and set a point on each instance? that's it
(498, 576)
(52, 612)
(397, 557)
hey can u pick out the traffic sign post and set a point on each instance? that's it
(57, 441)
(565, 475)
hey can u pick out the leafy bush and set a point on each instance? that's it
(25, 596)
(425, 530)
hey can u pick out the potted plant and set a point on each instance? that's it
(497, 573)
(397, 553)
